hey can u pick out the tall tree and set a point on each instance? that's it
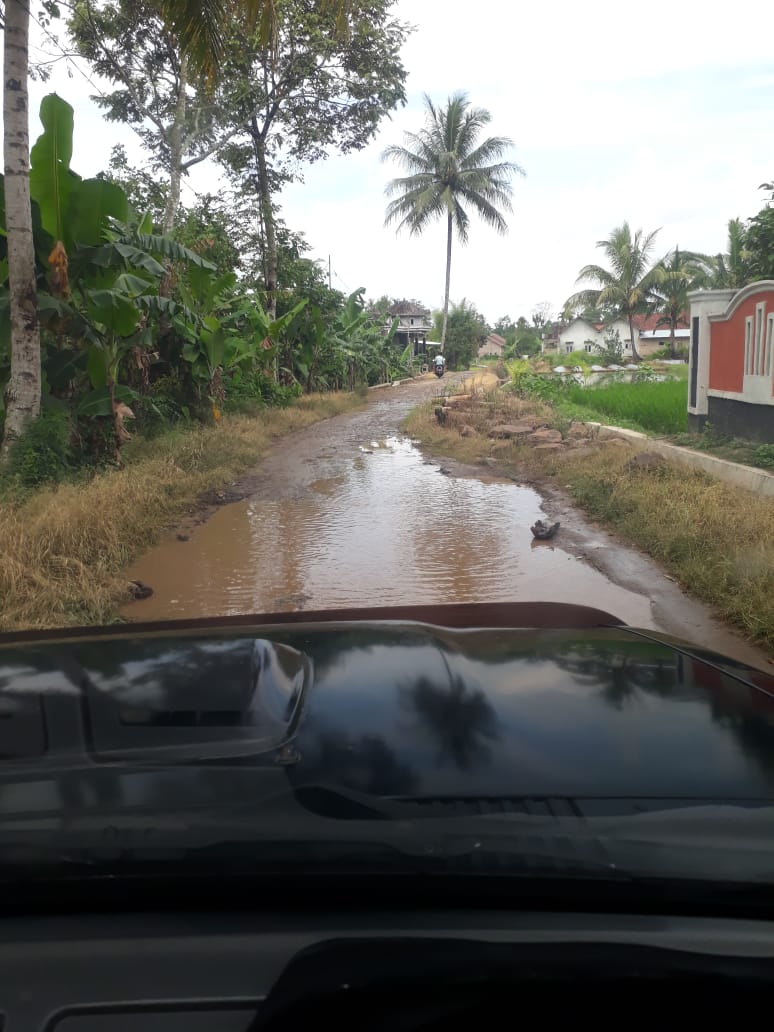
(314, 90)
(681, 272)
(627, 288)
(22, 393)
(129, 43)
(450, 169)
(760, 239)
(198, 25)
(731, 269)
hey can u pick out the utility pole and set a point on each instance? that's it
(329, 272)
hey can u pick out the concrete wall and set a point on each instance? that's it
(731, 366)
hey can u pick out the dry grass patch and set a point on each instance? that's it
(64, 547)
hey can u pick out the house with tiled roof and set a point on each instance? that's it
(651, 335)
(492, 346)
(582, 335)
(414, 323)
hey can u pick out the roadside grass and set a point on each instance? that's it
(717, 541)
(657, 407)
(64, 547)
(749, 453)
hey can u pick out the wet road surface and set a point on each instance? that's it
(349, 513)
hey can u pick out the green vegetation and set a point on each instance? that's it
(644, 403)
(656, 407)
(134, 287)
(466, 329)
(137, 326)
(734, 449)
(626, 288)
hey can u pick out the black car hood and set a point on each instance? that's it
(575, 720)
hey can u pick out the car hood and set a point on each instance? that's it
(562, 720)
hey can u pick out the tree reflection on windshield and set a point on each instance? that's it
(366, 764)
(459, 719)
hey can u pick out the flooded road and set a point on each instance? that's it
(349, 513)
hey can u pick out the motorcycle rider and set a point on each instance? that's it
(439, 362)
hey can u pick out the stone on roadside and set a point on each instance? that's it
(616, 442)
(545, 437)
(549, 447)
(467, 431)
(579, 430)
(520, 429)
(644, 461)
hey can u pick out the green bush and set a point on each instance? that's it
(43, 453)
(527, 384)
(251, 390)
(764, 456)
(575, 358)
(681, 352)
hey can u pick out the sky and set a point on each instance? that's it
(661, 115)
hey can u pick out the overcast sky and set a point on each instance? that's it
(660, 114)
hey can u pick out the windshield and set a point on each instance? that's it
(386, 439)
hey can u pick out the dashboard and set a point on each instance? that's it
(202, 971)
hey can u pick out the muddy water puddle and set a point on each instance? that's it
(345, 517)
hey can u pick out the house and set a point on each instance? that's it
(731, 361)
(414, 324)
(652, 337)
(581, 335)
(492, 346)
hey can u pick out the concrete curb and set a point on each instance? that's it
(750, 478)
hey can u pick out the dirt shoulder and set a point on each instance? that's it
(710, 542)
(65, 546)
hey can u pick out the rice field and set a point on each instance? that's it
(657, 407)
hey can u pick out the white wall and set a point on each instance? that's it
(575, 336)
(580, 336)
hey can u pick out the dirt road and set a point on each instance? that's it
(348, 512)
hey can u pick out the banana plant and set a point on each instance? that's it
(241, 335)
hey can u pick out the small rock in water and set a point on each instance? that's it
(543, 531)
(139, 589)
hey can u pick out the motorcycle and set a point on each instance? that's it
(439, 370)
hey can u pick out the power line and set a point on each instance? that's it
(341, 281)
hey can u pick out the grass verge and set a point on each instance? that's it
(716, 540)
(64, 547)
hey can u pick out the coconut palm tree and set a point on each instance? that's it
(681, 272)
(732, 269)
(625, 289)
(449, 170)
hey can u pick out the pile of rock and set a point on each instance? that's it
(461, 410)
